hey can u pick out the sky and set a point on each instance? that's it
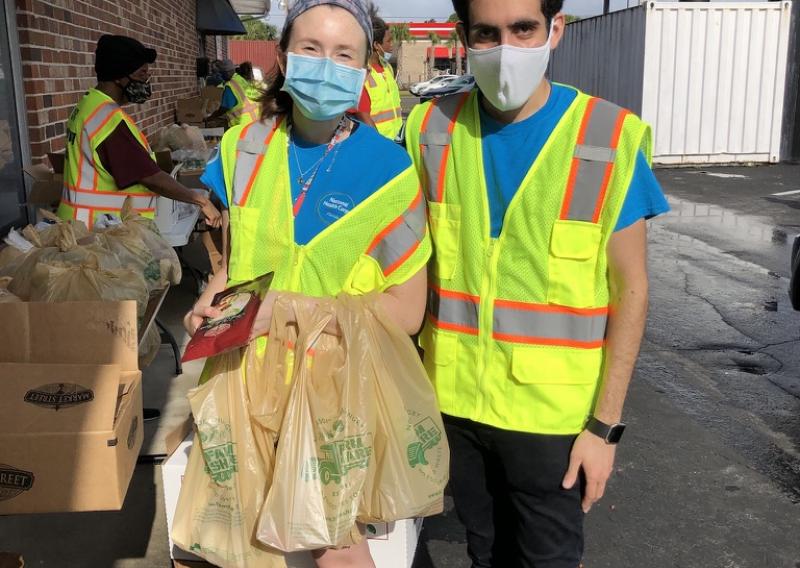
(421, 10)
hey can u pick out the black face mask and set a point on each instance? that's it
(138, 92)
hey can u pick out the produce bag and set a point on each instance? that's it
(229, 469)
(6, 297)
(325, 445)
(132, 253)
(146, 229)
(62, 282)
(411, 457)
(48, 233)
(66, 252)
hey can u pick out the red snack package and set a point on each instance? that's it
(231, 330)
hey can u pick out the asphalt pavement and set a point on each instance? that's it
(708, 472)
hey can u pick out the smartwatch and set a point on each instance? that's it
(611, 433)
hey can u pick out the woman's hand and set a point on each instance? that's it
(194, 317)
(264, 316)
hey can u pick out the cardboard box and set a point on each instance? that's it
(191, 111)
(46, 186)
(70, 406)
(392, 545)
(191, 178)
(212, 97)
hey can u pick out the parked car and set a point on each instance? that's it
(459, 84)
(419, 89)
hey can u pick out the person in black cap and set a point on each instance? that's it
(108, 158)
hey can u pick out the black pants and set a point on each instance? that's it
(507, 491)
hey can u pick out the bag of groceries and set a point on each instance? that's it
(162, 252)
(6, 297)
(325, 444)
(65, 252)
(229, 469)
(86, 282)
(411, 456)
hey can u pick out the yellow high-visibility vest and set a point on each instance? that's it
(246, 110)
(515, 331)
(89, 189)
(381, 243)
(384, 96)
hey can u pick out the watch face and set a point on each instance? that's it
(615, 433)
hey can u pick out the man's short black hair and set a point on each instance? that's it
(549, 8)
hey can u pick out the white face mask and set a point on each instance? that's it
(509, 75)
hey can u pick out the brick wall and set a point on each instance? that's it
(57, 41)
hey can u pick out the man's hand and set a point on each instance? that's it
(211, 213)
(591, 453)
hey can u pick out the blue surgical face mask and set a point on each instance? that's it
(321, 88)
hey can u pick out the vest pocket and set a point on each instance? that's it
(574, 249)
(445, 220)
(365, 277)
(441, 362)
(554, 387)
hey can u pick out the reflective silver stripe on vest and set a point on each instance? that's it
(453, 312)
(108, 200)
(248, 151)
(436, 138)
(565, 325)
(371, 80)
(88, 172)
(594, 156)
(408, 231)
(385, 116)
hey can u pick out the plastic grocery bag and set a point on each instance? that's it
(61, 282)
(132, 253)
(229, 469)
(410, 453)
(325, 444)
(6, 297)
(168, 262)
(66, 252)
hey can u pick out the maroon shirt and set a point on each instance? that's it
(124, 157)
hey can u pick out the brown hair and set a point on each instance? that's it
(274, 101)
(549, 8)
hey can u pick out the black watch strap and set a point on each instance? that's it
(611, 433)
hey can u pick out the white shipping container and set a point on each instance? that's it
(714, 77)
(708, 77)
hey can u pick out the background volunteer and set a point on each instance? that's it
(539, 287)
(379, 105)
(238, 97)
(329, 206)
(106, 153)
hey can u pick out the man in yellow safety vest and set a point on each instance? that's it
(107, 157)
(537, 197)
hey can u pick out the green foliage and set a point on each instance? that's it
(259, 29)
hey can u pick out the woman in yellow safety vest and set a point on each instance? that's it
(328, 205)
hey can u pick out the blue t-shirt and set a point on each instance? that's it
(363, 163)
(228, 99)
(505, 166)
